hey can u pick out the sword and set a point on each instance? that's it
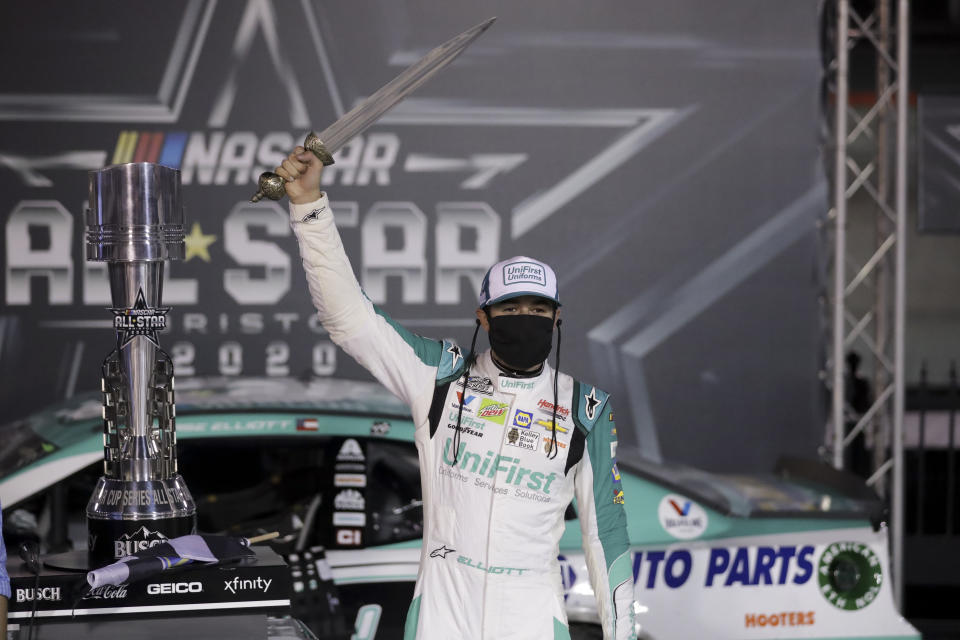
(358, 119)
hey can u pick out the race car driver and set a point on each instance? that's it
(505, 444)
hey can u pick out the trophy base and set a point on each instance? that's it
(110, 540)
(127, 516)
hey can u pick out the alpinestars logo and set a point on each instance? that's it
(313, 216)
(129, 543)
(441, 552)
(590, 408)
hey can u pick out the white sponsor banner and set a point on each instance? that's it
(789, 585)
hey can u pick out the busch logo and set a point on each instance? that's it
(48, 594)
(130, 543)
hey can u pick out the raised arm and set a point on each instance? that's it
(405, 363)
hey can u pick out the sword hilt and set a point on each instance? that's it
(274, 187)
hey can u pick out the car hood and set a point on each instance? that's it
(49, 445)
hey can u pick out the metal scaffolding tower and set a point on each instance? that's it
(869, 167)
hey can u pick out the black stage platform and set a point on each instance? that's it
(241, 600)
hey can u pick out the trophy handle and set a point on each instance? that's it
(272, 186)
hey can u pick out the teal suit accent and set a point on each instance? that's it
(589, 404)
(413, 619)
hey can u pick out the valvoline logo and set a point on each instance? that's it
(681, 510)
(681, 518)
(466, 401)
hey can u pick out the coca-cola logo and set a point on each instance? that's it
(107, 592)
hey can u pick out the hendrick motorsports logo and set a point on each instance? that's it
(850, 575)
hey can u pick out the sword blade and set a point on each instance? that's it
(367, 112)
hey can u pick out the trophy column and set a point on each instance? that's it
(135, 224)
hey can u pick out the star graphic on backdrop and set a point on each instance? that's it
(197, 243)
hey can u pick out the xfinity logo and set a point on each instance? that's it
(48, 594)
(240, 584)
(174, 587)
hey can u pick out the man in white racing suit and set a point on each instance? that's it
(505, 444)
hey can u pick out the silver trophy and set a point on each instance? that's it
(134, 224)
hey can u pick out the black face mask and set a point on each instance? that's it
(521, 341)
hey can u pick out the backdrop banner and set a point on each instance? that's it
(938, 151)
(662, 157)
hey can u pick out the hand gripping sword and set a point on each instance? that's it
(358, 119)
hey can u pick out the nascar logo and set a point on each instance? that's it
(150, 146)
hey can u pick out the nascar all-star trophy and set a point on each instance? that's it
(134, 223)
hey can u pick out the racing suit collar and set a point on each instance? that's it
(489, 367)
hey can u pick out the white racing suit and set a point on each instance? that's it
(492, 521)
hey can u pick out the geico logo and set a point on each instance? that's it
(174, 587)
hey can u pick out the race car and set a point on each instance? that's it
(332, 465)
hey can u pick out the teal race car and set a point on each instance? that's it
(799, 553)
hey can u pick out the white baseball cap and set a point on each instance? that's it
(519, 276)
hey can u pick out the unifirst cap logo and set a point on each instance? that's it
(524, 272)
